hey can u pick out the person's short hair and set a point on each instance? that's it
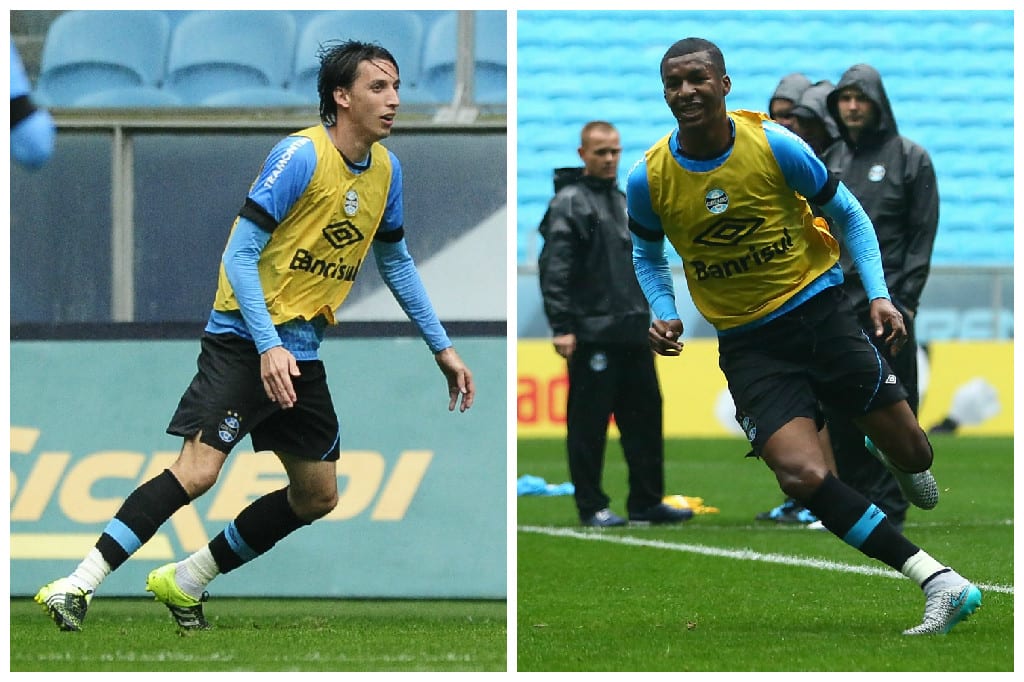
(594, 125)
(339, 66)
(691, 45)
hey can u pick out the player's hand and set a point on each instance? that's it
(565, 345)
(885, 316)
(460, 379)
(277, 367)
(664, 336)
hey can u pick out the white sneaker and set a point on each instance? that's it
(945, 607)
(816, 525)
(919, 488)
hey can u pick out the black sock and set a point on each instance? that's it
(860, 524)
(255, 530)
(141, 514)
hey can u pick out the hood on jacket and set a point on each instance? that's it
(563, 177)
(866, 78)
(790, 87)
(813, 104)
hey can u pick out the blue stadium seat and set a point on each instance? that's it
(257, 96)
(568, 73)
(400, 32)
(85, 51)
(129, 97)
(213, 51)
(491, 57)
(489, 54)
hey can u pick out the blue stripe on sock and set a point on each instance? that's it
(864, 526)
(123, 535)
(237, 544)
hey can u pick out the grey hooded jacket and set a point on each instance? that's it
(893, 178)
(790, 87)
(814, 102)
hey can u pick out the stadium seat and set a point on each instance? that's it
(400, 32)
(489, 55)
(86, 51)
(257, 97)
(214, 51)
(568, 73)
(129, 97)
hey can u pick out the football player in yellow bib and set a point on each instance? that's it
(325, 198)
(731, 192)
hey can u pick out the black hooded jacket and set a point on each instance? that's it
(586, 264)
(893, 178)
(813, 102)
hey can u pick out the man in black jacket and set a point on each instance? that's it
(599, 319)
(894, 180)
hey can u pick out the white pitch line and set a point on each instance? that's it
(742, 554)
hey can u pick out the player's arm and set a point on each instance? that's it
(32, 128)
(651, 264)
(398, 270)
(284, 177)
(807, 175)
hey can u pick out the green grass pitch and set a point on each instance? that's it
(268, 635)
(723, 592)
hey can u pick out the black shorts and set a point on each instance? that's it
(226, 401)
(815, 354)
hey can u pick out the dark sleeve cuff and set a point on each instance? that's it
(257, 214)
(645, 234)
(391, 236)
(827, 191)
(21, 108)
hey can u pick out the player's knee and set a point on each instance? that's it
(196, 480)
(315, 505)
(800, 481)
(198, 467)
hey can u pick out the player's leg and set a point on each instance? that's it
(309, 429)
(136, 521)
(777, 395)
(897, 440)
(588, 406)
(882, 486)
(851, 376)
(312, 492)
(803, 474)
(854, 379)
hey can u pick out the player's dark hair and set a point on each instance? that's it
(691, 45)
(339, 66)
